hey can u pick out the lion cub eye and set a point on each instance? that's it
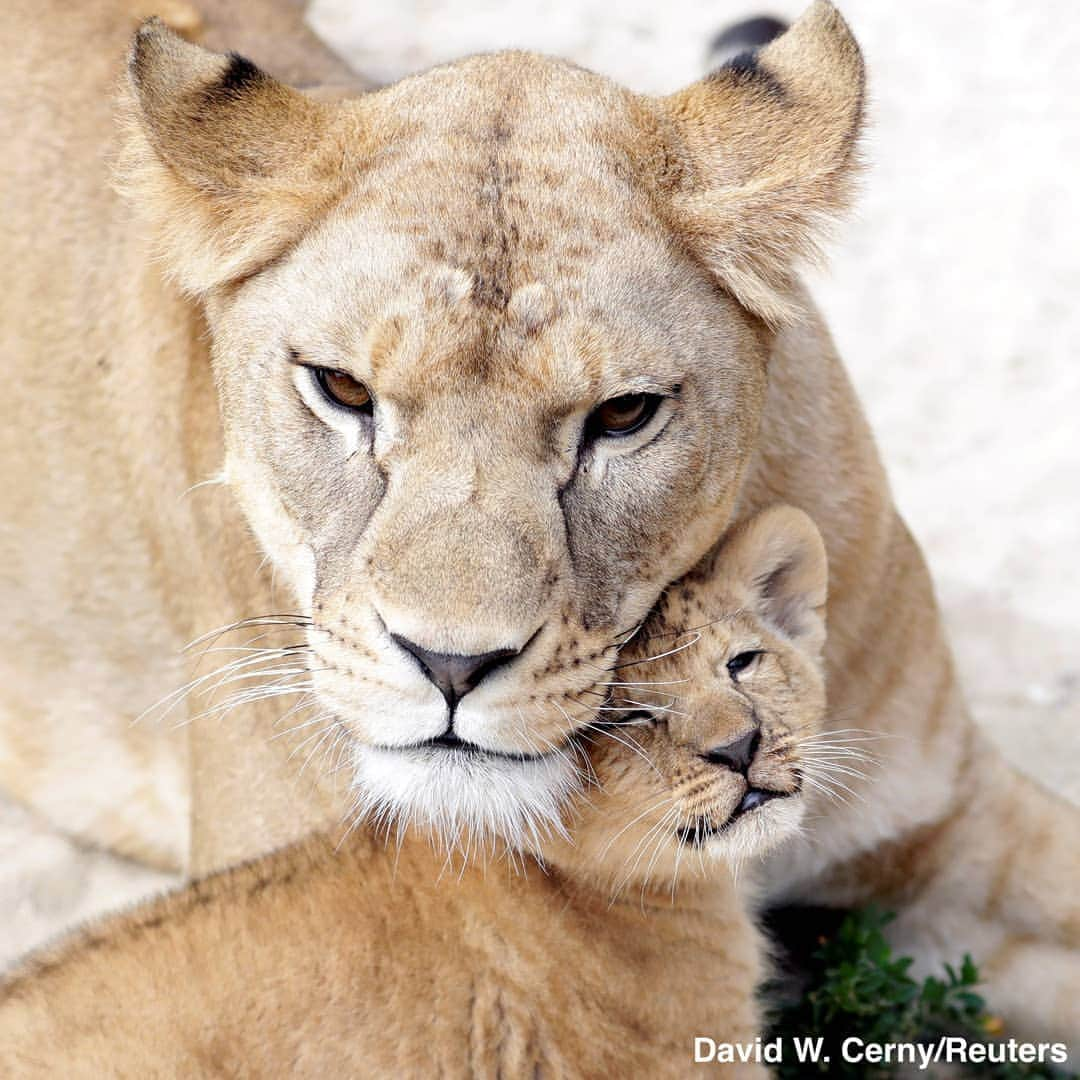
(344, 390)
(743, 662)
(623, 415)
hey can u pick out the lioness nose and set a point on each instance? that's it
(454, 675)
(737, 754)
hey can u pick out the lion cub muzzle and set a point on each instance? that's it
(743, 775)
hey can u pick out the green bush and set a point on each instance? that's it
(855, 986)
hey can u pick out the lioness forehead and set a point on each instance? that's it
(511, 152)
(511, 117)
(492, 234)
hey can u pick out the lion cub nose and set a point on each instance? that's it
(737, 754)
(454, 675)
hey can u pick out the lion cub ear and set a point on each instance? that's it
(765, 155)
(776, 562)
(229, 165)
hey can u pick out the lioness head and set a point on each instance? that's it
(714, 721)
(491, 348)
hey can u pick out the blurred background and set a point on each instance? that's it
(954, 296)
(953, 292)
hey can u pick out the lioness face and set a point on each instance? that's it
(480, 419)
(491, 351)
(716, 717)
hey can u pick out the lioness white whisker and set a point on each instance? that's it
(246, 697)
(658, 656)
(320, 718)
(291, 620)
(174, 697)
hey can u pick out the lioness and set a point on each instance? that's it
(373, 962)
(486, 359)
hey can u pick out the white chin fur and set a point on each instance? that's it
(759, 832)
(464, 800)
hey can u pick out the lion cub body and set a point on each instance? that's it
(371, 962)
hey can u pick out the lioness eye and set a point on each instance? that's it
(742, 662)
(344, 390)
(622, 415)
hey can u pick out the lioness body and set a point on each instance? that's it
(108, 571)
(89, 519)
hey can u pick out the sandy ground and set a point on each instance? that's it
(952, 295)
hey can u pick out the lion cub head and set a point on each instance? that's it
(719, 698)
(490, 346)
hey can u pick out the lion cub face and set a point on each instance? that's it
(719, 696)
(491, 351)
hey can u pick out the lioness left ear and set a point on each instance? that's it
(763, 155)
(229, 164)
(778, 558)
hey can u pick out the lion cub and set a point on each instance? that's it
(371, 961)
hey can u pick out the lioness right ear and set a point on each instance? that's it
(763, 155)
(229, 164)
(777, 561)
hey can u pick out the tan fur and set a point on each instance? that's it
(375, 960)
(676, 704)
(663, 233)
(999, 877)
(106, 566)
(772, 154)
(369, 962)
